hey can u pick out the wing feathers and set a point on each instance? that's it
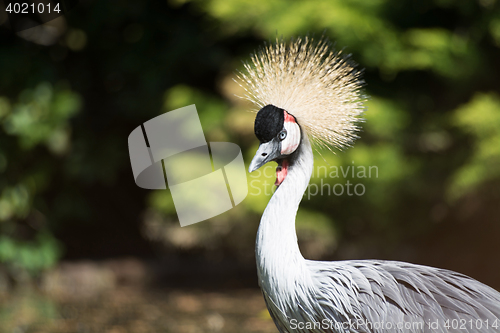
(385, 291)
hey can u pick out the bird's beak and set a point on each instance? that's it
(267, 151)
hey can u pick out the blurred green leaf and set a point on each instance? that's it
(41, 116)
(33, 256)
(480, 118)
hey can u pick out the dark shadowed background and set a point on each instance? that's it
(83, 249)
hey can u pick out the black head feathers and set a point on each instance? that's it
(269, 122)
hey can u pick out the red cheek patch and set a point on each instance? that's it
(291, 142)
(289, 117)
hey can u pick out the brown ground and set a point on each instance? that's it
(112, 297)
(132, 310)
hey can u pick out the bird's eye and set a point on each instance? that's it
(282, 135)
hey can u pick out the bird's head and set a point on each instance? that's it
(307, 83)
(279, 136)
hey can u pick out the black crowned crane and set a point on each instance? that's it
(304, 90)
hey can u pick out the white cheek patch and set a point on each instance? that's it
(292, 139)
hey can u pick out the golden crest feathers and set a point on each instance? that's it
(311, 81)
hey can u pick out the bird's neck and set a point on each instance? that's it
(277, 251)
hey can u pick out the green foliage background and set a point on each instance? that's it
(432, 130)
